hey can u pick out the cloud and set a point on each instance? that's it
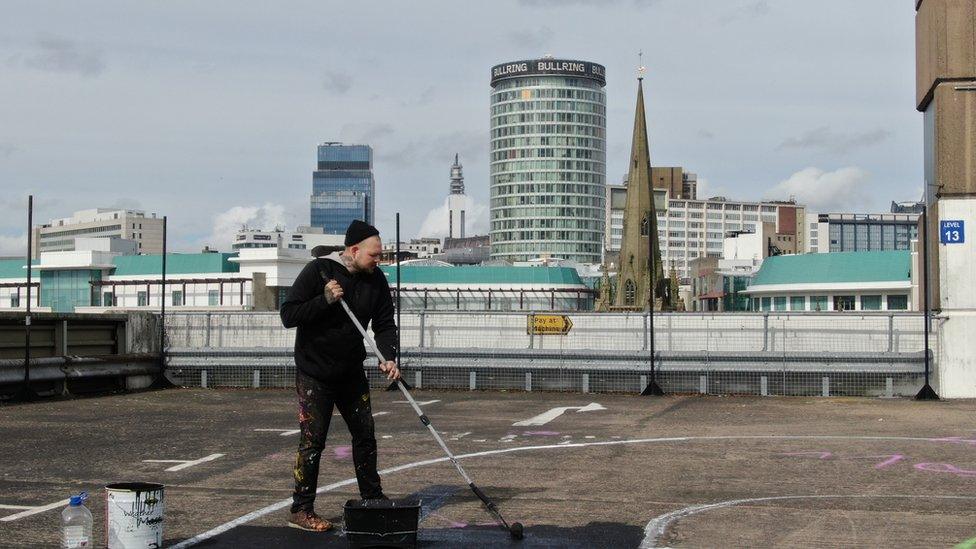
(336, 82)
(227, 223)
(705, 134)
(826, 140)
(425, 98)
(436, 224)
(126, 204)
(7, 150)
(820, 191)
(471, 146)
(15, 246)
(706, 190)
(746, 11)
(365, 133)
(530, 39)
(587, 3)
(60, 55)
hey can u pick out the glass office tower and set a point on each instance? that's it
(342, 187)
(548, 160)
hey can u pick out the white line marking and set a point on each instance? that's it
(419, 402)
(36, 510)
(480, 440)
(589, 436)
(284, 432)
(16, 506)
(507, 438)
(183, 463)
(380, 414)
(657, 527)
(460, 436)
(213, 532)
(546, 417)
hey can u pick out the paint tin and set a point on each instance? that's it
(134, 515)
(381, 523)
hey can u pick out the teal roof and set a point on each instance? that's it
(835, 267)
(14, 268)
(482, 275)
(137, 265)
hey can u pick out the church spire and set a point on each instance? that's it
(639, 251)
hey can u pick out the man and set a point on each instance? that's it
(329, 355)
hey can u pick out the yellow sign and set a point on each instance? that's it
(548, 324)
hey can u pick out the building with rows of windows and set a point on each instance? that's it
(691, 228)
(839, 281)
(548, 160)
(59, 235)
(852, 232)
(343, 188)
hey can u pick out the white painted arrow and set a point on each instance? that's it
(419, 402)
(546, 417)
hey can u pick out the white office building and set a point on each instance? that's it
(305, 238)
(689, 229)
(59, 235)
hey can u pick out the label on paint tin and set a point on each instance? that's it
(135, 516)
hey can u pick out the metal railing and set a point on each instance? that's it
(714, 353)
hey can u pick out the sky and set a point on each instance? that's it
(210, 112)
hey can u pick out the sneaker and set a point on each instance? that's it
(308, 520)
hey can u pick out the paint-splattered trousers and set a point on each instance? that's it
(315, 403)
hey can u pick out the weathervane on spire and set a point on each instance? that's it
(641, 69)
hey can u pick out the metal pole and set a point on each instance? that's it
(25, 392)
(926, 393)
(652, 389)
(162, 307)
(393, 386)
(398, 286)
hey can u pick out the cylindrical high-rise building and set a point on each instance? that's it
(548, 160)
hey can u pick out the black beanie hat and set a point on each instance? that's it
(359, 231)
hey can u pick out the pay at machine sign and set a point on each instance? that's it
(548, 324)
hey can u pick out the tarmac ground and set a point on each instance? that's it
(578, 470)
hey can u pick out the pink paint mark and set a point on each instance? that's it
(889, 459)
(819, 455)
(945, 468)
(541, 433)
(343, 452)
(895, 458)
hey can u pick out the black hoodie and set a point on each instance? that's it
(328, 347)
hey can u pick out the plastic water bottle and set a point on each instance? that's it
(76, 524)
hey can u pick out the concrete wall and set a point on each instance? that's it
(945, 44)
(957, 268)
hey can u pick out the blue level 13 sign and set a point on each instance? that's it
(952, 232)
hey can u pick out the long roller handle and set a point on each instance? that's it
(423, 419)
(406, 393)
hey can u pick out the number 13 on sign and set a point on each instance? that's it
(952, 232)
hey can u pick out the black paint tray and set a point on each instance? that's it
(381, 522)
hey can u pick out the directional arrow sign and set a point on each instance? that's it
(546, 417)
(549, 324)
